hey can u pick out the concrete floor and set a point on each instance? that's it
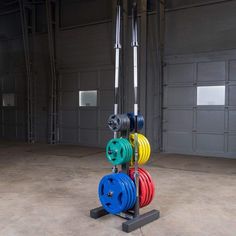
(49, 190)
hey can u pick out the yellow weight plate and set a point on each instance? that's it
(142, 147)
(146, 147)
(143, 151)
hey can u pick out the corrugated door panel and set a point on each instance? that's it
(211, 71)
(210, 143)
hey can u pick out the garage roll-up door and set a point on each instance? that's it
(199, 111)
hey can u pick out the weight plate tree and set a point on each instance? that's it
(129, 187)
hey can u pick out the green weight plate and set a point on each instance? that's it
(126, 146)
(116, 151)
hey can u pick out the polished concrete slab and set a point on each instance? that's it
(49, 190)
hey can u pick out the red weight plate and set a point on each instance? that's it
(148, 193)
(150, 183)
(142, 188)
(145, 193)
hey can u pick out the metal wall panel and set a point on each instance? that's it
(12, 81)
(68, 135)
(76, 13)
(179, 120)
(68, 100)
(180, 96)
(179, 3)
(106, 79)
(87, 124)
(192, 129)
(88, 118)
(178, 141)
(232, 70)
(86, 46)
(106, 99)
(232, 121)
(180, 73)
(10, 25)
(232, 95)
(88, 80)
(88, 137)
(86, 63)
(68, 118)
(69, 81)
(210, 143)
(211, 71)
(199, 51)
(104, 136)
(201, 29)
(210, 121)
(231, 145)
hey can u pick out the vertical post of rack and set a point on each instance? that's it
(117, 65)
(135, 74)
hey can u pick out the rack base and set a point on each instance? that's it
(132, 224)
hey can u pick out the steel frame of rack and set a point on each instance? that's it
(133, 217)
(52, 25)
(27, 13)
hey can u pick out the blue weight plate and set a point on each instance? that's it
(128, 191)
(112, 193)
(122, 178)
(132, 190)
(134, 193)
(132, 120)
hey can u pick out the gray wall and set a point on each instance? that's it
(197, 37)
(200, 50)
(13, 120)
(201, 29)
(86, 64)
